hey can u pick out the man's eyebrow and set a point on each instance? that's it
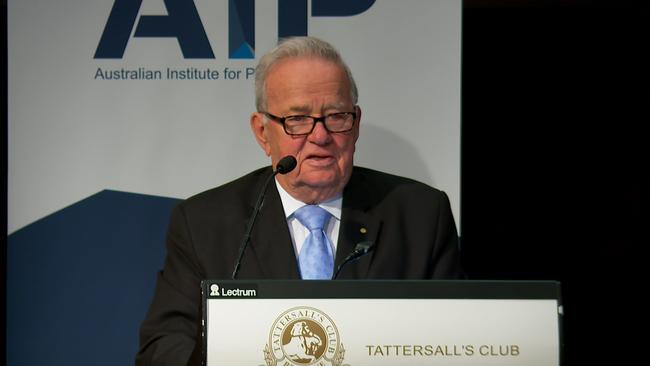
(338, 106)
(300, 109)
(305, 109)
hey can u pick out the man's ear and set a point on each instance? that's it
(259, 130)
(357, 123)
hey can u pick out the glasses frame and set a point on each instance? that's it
(321, 119)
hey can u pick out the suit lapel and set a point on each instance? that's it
(270, 240)
(357, 226)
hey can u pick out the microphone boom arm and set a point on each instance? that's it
(284, 166)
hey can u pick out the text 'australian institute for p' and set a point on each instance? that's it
(189, 73)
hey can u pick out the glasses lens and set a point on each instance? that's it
(298, 125)
(339, 122)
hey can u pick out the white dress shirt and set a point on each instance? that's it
(298, 231)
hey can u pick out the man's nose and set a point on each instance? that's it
(320, 134)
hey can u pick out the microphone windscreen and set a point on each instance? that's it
(286, 164)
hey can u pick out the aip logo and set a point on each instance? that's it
(183, 23)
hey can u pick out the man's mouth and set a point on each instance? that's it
(319, 160)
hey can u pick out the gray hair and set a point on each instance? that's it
(297, 47)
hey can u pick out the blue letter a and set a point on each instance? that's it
(182, 23)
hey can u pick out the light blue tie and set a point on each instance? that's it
(315, 259)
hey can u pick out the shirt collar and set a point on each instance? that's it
(291, 204)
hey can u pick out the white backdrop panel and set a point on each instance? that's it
(72, 135)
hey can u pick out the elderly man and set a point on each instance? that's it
(312, 217)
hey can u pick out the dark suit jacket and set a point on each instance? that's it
(410, 224)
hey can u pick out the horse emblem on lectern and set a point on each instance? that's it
(304, 336)
(303, 344)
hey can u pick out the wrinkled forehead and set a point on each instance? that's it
(309, 64)
(308, 75)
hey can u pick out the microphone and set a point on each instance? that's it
(360, 250)
(284, 166)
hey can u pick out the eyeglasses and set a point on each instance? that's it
(304, 125)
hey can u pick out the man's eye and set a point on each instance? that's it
(297, 119)
(336, 117)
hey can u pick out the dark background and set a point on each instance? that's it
(554, 99)
(3, 187)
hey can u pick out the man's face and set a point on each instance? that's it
(315, 87)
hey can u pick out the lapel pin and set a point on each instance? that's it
(363, 230)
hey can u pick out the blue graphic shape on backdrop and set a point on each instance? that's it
(181, 22)
(292, 18)
(244, 52)
(79, 282)
(339, 8)
(241, 29)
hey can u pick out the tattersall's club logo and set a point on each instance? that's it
(304, 336)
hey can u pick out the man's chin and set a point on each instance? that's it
(319, 179)
(311, 188)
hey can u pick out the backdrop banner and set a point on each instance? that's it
(119, 108)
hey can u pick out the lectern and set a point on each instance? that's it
(359, 323)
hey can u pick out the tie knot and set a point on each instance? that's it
(312, 217)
